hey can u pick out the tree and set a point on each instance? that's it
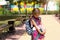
(10, 1)
(19, 6)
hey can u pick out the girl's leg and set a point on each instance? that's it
(34, 35)
(42, 39)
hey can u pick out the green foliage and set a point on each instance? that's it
(11, 1)
(1, 11)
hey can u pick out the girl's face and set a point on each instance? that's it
(36, 15)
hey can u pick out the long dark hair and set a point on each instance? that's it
(35, 11)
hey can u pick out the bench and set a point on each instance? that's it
(7, 27)
(4, 28)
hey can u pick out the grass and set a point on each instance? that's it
(6, 22)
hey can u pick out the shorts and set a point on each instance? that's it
(36, 35)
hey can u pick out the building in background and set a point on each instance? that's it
(3, 2)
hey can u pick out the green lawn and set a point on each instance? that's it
(6, 22)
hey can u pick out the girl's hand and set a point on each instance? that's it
(43, 32)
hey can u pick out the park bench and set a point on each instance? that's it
(7, 27)
(4, 28)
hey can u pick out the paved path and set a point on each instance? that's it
(52, 30)
(52, 27)
(20, 31)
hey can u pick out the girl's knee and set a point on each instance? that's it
(42, 39)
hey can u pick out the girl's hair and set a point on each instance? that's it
(36, 11)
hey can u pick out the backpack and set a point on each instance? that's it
(29, 29)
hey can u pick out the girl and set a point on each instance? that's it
(38, 29)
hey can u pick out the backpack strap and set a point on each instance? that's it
(30, 24)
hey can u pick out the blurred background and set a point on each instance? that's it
(11, 9)
(15, 7)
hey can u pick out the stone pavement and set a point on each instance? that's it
(52, 27)
(52, 30)
(20, 31)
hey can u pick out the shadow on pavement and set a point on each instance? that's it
(13, 36)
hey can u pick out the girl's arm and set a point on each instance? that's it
(43, 28)
(33, 22)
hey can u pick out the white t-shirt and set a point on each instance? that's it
(39, 27)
